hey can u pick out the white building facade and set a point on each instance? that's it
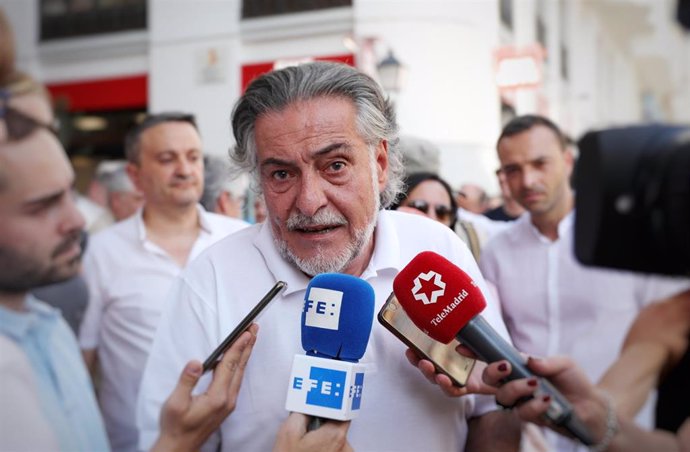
(600, 62)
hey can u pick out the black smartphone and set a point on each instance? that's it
(445, 358)
(214, 357)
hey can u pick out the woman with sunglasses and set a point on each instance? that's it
(428, 194)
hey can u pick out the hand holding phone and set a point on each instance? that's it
(214, 357)
(443, 356)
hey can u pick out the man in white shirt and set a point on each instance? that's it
(551, 303)
(321, 139)
(130, 266)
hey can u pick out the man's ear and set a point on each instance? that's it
(222, 203)
(133, 171)
(381, 160)
(569, 160)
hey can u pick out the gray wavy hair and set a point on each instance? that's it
(276, 90)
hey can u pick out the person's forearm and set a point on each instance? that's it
(166, 444)
(622, 435)
(633, 376)
(189, 441)
(631, 438)
(495, 431)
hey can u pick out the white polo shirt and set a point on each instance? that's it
(129, 278)
(553, 305)
(400, 409)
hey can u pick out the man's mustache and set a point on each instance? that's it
(68, 242)
(322, 218)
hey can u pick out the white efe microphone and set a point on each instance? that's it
(337, 317)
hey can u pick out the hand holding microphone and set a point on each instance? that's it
(294, 436)
(328, 382)
(588, 401)
(444, 302)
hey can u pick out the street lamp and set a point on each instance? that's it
(391, 73)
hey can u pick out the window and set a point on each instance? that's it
(261, 8)
(74, 18)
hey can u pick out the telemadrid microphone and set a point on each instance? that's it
(337, 317)
(445, 303)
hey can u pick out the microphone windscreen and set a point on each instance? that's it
(337, 316)
(437, 295)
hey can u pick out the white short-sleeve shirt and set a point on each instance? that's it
(129, 278)
(400, 411)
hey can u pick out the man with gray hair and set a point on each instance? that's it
(321, 141)
(224, 192)
(122, 197)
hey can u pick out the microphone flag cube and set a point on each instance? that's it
(325, 388)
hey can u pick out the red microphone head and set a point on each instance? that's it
(438, 296)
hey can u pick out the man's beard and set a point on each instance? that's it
(323, 263)
(20, 273)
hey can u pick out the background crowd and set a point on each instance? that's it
(109, 299)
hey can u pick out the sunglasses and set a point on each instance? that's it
(19, 125)
(443, 213)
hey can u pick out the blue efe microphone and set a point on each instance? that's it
(336, 324)
(337, 317)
